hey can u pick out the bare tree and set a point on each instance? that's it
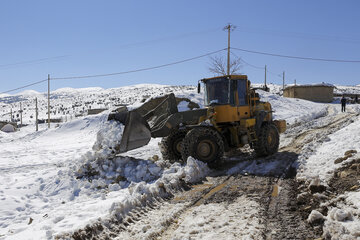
(218, 65)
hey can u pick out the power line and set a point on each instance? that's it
(308, 36)
(256, 67)
(31, 61)
(169, 38)
(118, 73)
(297, 57)
(138, 70)
(31, 84)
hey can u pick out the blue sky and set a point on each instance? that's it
(76, 38)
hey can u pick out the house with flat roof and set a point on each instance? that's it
(317, 92)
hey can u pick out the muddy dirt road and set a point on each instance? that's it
(250, 198)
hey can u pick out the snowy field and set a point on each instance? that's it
(58, 180)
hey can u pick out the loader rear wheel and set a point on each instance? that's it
(171, 146)
(268, 140)
(204, 144)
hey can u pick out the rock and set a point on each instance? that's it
(339, 160)
(350, 153)
(303, 198)
(320, 196)
(315, 186)
(343, 174)
(315, 218)
(355, 166)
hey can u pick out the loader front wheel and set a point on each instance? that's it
(171, 146)
(204, 144)
(268, 140)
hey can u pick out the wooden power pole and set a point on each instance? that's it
(283, 80)
(36, 115)
(265, 76)
(21, 114)
(229, 27)
(48, 100)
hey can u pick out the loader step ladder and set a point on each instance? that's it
(252, 135)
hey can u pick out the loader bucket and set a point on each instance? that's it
(136, 133)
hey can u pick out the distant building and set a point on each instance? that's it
(316, 93)
(96, 111)
(8, 128)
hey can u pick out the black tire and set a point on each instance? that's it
(171, 146)
(268, 140)
(204, 144)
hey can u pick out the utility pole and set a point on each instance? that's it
(295, 81)
(229, 27)
(36, 115)
(265, 76)
(283, 80)
(21, 114)
(48, 100)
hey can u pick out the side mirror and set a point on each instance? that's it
(199, 87)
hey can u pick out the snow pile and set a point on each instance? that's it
(293, 110)
(340, 225)
(104, 169)
(183, 106)
(319, 159)
(108, 137)
(340, 215)
(343, 221)
(195, 170)
(139, 194)
(69, 192)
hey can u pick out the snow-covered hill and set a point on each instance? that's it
(66, 103)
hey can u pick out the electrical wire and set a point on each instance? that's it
(256, 67)
(169, 38)
(307, 36)
(118, 73)
(31, 84)
(297, 57)
(4, 66)
(138, 70)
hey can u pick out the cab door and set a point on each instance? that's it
(243, 108)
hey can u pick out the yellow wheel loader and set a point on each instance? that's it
(233, 117)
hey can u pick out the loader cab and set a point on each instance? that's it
(228, 96)
(226, 90)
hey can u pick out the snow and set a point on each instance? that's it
(28, 93)
(58, 180)
(46, 176)
(292, 109)
(322, 84)
(237, 220)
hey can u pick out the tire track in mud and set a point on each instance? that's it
(281, 213)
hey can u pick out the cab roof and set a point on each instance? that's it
(231, 77)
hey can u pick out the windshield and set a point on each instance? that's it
(217, 91)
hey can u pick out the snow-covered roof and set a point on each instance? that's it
(311, 85)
